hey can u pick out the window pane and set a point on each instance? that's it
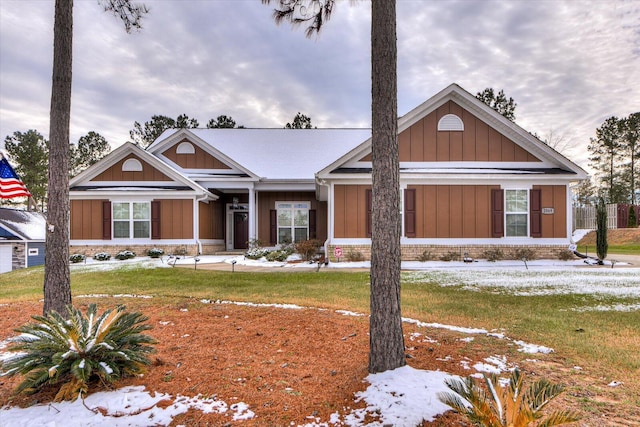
(517, 225)
(283, 206)
(301, 218)
(141, 211)
(301, 234)
(301, 206)
(140, 229)
(284, 218)
(121, 211)
(517, 201)
(284, 235)
(120, 229)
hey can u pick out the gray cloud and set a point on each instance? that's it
(568, 64)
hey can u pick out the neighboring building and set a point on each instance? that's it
(470, 180)
(22, 235)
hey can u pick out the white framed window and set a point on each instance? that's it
(131, 220)
(132, 165)
(516, 213)
(293, 221)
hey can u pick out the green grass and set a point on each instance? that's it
(603, 340)
(613, 249)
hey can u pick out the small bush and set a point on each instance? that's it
(308, 248)
(632, 220)
(79, 351)
(354, 256)
(102, 256)
(278, 255)
(525, 253)
(565, 255)
(493, 254)
(450, 256)
(122, 255)
(76, 258)
(155, 253)
(426, 256)
(256, 253)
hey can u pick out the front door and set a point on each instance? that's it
(240, 230)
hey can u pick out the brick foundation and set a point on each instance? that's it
(453, 252)
(141, 250)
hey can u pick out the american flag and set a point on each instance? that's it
(10, 184)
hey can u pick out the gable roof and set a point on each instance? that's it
(83, 180)
(553, 160)
(270, 154)
(25, 225)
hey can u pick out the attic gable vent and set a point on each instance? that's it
(132, 165)
(450, 122)
(185, 148)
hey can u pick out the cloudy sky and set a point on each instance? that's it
(568, 64)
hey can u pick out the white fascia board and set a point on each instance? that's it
(105, 163)
(485, 179)
(160, 146)
(134, 195)
(286, 186)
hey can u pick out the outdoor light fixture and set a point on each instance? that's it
(233, 265)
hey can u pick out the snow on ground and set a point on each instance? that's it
(402, 397)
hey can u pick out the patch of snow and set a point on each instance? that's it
(579, 234)
(532, 348)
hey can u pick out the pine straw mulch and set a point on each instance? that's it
(294, 366)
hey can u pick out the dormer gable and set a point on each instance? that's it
(189, 155)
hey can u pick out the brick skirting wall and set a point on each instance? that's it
(141, 250)
(452, 252)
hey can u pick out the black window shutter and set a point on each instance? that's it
(410, 212)
(497, 213)
(155, 219)
(312, 224)
(106, 220)
(535, 212)
(369, 202)
(273, 227)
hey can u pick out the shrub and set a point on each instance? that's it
(122, 255)
(155, 252)
(102, 256)
(426, 256)
(354, 255)
(508, 405)
(76, 258)
(256, 253)
(308, 248)
(79, 351)
(450, 256)
(565, 255)
(524, 253)
(602, 246)
(632, 220)
(493, 254)
(278, 255)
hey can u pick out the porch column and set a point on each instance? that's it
(252, 213)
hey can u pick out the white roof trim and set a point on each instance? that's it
(84, 178)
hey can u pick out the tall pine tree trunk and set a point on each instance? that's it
(386, 339)
(57, 284)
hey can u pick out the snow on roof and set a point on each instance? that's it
(277, 154)
(24, 224)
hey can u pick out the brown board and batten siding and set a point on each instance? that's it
(479, 142)
(211, 223)
(266, 204)
(176, 219)
(452, 211)
(115, 173)
(85, 218)
(199, 159)
(350, 209)
(554, 225)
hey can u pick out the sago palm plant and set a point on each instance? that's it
(80, 350)
(511, 405)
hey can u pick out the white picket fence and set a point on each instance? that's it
(584, 217)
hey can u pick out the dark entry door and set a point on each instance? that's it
(240, 230)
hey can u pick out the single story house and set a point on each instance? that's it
(22, 235)
(470, 179)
